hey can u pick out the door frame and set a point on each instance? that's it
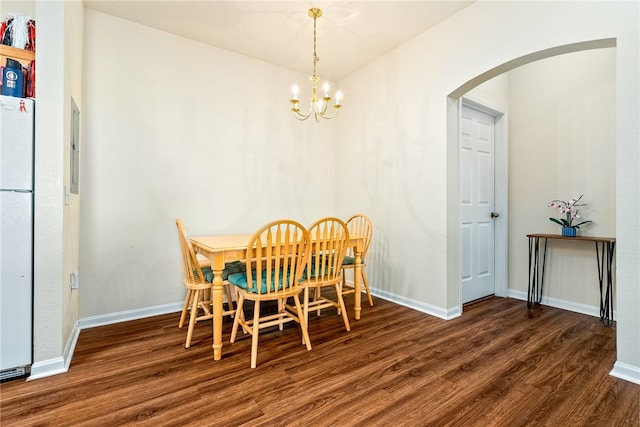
(501, 188)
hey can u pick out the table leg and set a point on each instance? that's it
(611, 246)
(604, 257)
(536, 271)
(217, 307)
(357, 278)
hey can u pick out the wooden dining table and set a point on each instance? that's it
(221, 249)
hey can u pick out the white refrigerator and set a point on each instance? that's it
(16, 235)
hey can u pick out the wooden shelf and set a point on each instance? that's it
(21, 55)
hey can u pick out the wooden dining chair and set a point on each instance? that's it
(329, 241)
(280, 255)
(197, 279)
(359, 225)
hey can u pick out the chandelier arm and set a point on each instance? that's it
(317, 114)
(335, 113)
(301, 116)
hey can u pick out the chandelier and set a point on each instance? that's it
(317, 106)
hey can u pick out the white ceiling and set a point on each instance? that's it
(350, 33)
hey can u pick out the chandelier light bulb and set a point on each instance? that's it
(325, 87)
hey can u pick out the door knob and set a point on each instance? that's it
(495, 214)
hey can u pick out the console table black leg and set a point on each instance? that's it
(533, 268)
(604, 257)
(544, 262)
(536, 271)
(612, 247)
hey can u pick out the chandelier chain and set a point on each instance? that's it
(315, 49)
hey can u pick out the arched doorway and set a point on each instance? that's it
(453, 116)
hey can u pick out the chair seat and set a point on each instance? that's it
(350, 261)
(312, 273)
(229, 268)
(326, 272)
(240, 280)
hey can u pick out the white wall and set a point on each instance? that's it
(48, 257)
(174, 128)
(73, 39)
(56, 243)
(25, 7)
(493, 93)
(409, 174)
(561, 145)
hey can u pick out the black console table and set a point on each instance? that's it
(605, 247)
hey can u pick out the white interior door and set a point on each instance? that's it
(477, 143)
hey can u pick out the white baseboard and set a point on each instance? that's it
(452, 313)
(46, 368)
(58, 365)
(71, 344)
(626, 372)
(124, 316)
(442, 313)
(562, 304)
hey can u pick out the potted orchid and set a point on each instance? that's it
(570, 211)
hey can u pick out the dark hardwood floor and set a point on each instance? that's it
(498, 364)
